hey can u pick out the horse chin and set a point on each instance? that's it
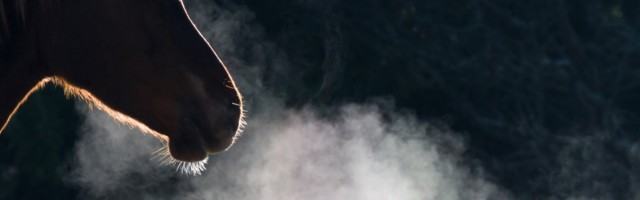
(195, 143)
(186, 151)
(213, 147)
(190, 166)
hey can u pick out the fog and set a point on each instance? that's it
(369, 150)
(348, 151)
(290, 154)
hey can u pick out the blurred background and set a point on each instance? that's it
(543, 95)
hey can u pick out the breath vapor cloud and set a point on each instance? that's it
(357, 152)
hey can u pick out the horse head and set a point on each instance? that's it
(141, 61)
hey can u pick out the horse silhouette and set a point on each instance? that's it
(141, 61)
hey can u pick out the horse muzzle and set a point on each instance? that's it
(200, 135)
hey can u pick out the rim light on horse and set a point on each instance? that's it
(141, 61)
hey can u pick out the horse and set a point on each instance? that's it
(143, 62)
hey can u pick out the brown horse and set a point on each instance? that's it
(141, 61)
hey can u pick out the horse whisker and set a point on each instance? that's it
(188, 168)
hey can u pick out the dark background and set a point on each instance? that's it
(522, 81)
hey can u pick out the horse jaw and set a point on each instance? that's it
(195, 167)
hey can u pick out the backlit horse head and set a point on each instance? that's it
(141, 61)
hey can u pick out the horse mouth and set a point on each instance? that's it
(195, 141)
